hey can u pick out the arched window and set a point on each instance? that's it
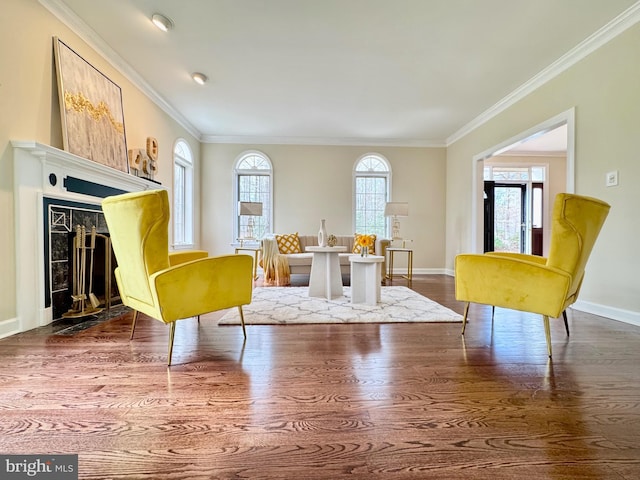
(372, 190)
(253, 183)
(182, 195)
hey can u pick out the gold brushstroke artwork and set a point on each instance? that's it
(91, 110)
(79, 103)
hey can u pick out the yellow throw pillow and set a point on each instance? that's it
(289, 243)
(361, 240)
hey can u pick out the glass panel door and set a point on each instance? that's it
(509, 218)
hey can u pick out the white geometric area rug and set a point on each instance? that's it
(293, 306)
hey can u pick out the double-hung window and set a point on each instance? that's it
(182, 195)
(372, 190)
(253, 183)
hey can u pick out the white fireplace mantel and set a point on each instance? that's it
(60, 163)
(41, 171)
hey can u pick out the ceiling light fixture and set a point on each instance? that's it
(199, 78)
(162, 22)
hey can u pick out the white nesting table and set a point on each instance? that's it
(325, 279)
(366, 273)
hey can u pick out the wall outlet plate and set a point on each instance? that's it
(612, 178)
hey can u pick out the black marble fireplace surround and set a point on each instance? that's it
(61, 218)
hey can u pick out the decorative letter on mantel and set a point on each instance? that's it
(144, 163)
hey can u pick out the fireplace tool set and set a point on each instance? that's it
(84, 301)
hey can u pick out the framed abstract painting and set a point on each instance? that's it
(91, 110)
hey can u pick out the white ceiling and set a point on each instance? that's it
(405, 72)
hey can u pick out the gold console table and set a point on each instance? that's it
(393, 250)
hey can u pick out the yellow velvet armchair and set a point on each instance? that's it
(169, 287)
(529, 283)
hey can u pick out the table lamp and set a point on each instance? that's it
(395, 210)
(250, 209)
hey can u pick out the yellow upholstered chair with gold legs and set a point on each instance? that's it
(163, 286)
(175, 258)
(546, 286)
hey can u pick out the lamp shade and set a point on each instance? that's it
(396, 209)
(253, 209)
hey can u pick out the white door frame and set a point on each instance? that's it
(567, 117)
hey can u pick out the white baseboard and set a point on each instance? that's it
(626, 316)
(420, 271)
(9, 327)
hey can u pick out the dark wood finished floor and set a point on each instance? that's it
(331, 401)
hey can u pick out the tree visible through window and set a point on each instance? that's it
(182, 194)
(253, 179)
(372, 176)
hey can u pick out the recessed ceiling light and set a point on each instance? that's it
(199, 78)
(162, 22)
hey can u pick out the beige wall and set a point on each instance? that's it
(316, 182)
(603, 88)
(29, 111)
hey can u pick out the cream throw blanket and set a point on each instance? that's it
(275, 266)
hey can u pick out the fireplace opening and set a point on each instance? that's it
(76, 288)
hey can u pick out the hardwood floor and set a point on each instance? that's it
(401, 401)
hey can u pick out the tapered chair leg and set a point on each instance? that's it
(464, 318)
(493, 313)
(172, 332)
(566, 323)
(244, 330)
(133, 324)
(547, 332)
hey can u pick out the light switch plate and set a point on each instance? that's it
(612, 178)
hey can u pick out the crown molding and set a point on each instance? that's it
(352, 142)
(67, 16)
(615, 27)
